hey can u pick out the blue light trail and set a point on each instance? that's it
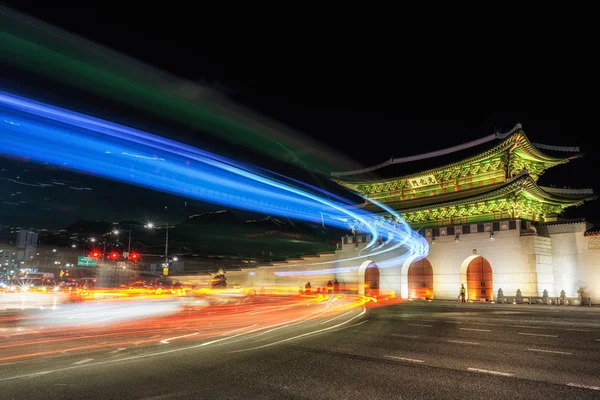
(46, 134)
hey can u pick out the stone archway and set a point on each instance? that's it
(368, 279)
(476, 275)
(420, 280)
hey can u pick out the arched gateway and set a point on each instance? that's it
(420, 279)
(368, 279)
(476, 275)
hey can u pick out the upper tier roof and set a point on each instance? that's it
(418, 164)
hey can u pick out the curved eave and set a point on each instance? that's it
(536, 154)
(548, 195)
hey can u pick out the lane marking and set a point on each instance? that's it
(536, 334)
(528, 327)
(461, 342)
(425, 326)
(120, 360)
(166, 341)
(577, 330)
(83, 361)
(473, 329)
(485, 371)
(405, 336)
(118, 350)
(550, 351)
(583, 386)
(405, 359)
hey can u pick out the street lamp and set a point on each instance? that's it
(150, 225)
(116, 232)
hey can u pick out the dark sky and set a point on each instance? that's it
(369, 89)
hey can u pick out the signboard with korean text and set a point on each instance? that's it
(86, 261)
(422, 181)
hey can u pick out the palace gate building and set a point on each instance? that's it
(489, 225)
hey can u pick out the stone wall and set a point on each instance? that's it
(561, 257)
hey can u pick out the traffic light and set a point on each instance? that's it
(114, 255)
(134, 256)
(94, 254)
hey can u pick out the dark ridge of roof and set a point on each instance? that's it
(412, 165)
(568, 193)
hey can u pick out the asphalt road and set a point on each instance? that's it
(418, 350)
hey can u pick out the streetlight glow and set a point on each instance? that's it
(92, 239)
(116, 232)
(54, 250)
(175, 258)
(149, 225)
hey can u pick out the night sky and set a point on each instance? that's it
(365, 89)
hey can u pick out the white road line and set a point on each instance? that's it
(597, 340)
(121, 360)
(536, 334)
(83, 361)
(485, 371)
(118, 350)
(405, 359)
(473, 329)
(583, 386)
(550, 351)
(528, 327)
(461, 342)
(405, 336)
(166, 341)
(577, 330)
(425, 326)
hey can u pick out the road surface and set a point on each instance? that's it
(297, 348)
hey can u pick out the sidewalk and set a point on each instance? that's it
(595, 308)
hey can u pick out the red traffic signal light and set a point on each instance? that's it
(94, 254)
(134, 256)
(114, 255)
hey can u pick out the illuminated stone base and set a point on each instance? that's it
(558, 257)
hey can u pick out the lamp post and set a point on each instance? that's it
(150, 225)
(116, 232)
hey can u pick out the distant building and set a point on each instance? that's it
(7, 258)
(26, 246)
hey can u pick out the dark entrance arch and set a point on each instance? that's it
(420, 279)
(372, 280)
(479, 279)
